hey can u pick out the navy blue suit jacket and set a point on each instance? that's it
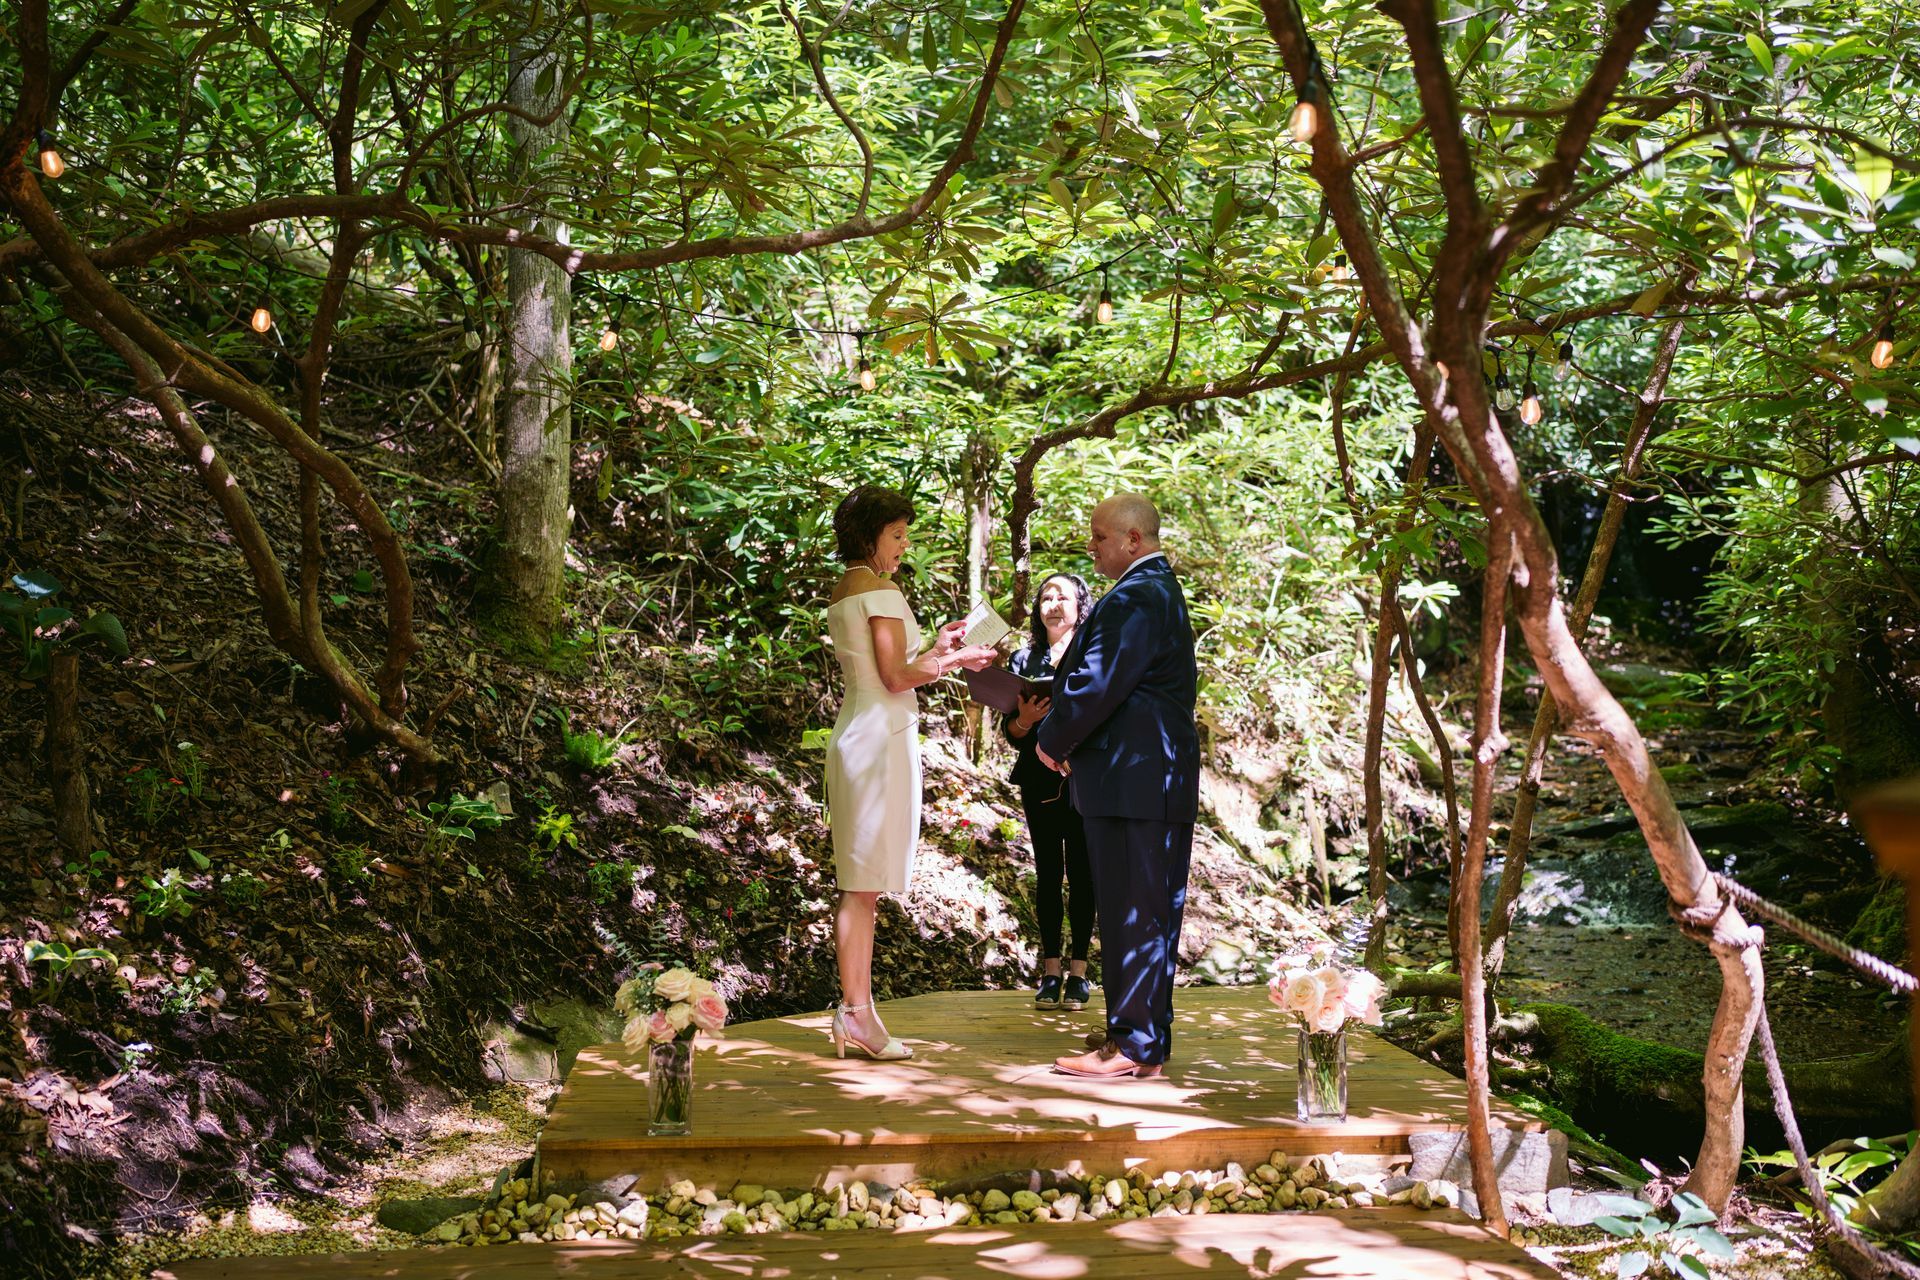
(1122, 713)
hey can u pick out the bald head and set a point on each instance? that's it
(1124, 528)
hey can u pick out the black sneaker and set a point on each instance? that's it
(1048, 996)
(1078, 992)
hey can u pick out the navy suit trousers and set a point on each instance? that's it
(1140, 883)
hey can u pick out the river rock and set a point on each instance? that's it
(1525, 1161)
(995, 1200)
(417, 1217)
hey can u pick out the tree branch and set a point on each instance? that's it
(812, 54)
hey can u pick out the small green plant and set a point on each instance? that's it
(242, 889)
(165, 898)
(352, 863)
(134, 1056)
(58, 957)
(1679, 1243)
(279, 843)
(42, 627)
(591, 749)
(336, 794)
(553, 830)
(193, 769)
(154, 794)
(183, 994)
(97, 865)
(754, 897)
(605, 880)
(456, 819)
(1843, 1170)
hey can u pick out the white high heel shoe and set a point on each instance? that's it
(892, 1051)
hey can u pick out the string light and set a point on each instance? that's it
(1340, 272)
(1305, 120)
(1882, 356)
(1103, 310)
(865, 371)
(1502, 389)
(1531, 410)
(1563, 366)
(262, 320)
(51, 162)
(609, 338)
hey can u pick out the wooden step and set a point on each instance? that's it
(1363, 1244)
(773, 1105)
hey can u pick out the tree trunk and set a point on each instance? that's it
(1547, 717)
(536, 419)
(976, 481)
(66, 755)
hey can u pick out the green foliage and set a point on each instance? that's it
(607, 880)
(58, 958)
(336, 795)
(242, 889)
(99, 864)
(168, 897)
(193, 769)
(41, 628)
(457, 818)
(351, 863)
(154, 795)
(1679, 1244)
(553, 831)
(183, 994)
(590, 749)
(1846, 1172)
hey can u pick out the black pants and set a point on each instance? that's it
(1059, 845)
(1140, 872)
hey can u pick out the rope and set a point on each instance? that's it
(1858, 1256)
(1863, 961)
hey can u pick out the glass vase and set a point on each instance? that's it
(1321, 1083)
(670, 1089)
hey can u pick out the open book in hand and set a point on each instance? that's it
(984, 626)
(1002, 690)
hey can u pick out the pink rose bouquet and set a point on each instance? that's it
(1323, 997)
(663, 1005)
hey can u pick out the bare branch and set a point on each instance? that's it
(812, 54)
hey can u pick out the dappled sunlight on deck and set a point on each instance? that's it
(980, 1095)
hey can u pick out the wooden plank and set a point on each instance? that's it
(1376, 1244)
(773, 1105)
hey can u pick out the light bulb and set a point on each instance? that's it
(262, 320)
(1305, 120)
(867, 381)
(1340, 272)
(50, 162)
(1883, 347)
(1531, 410)
(1502, 393)
(609, 339)
(1103, 313)
(1564, 365)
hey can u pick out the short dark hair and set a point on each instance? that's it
(1082, 606)
(863, 514)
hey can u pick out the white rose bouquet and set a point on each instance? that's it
(1323, 997)
(663, 1005)
(665, 1009)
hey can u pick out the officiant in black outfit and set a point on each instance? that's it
(1059, 839)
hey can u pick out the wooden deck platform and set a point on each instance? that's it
(1365, 1244)
(773, 1105)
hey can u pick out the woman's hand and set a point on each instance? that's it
(975, 657)
(1033, 709)
(949, 636)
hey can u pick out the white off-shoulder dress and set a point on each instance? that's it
(873, 757)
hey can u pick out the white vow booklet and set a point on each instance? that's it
(984, 626)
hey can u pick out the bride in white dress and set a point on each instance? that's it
(873, 757)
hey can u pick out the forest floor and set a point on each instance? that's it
(319, 984)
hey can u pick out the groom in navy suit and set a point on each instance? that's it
(1121, 729)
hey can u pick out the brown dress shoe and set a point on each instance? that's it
(1104, 1063)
